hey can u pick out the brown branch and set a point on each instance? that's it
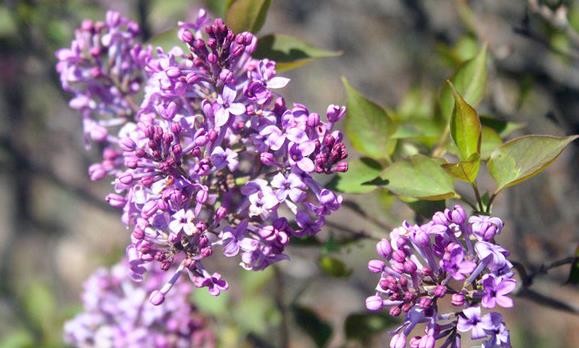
(528, 277)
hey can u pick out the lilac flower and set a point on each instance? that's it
(417, 266)
(183, 221)
(213, 282)
(486, 227)
(104, 69)
(497, 332)
(117, 314)
(496, 290)
(455, 264)
(470, 320)
(227, 106)
(291, 186)
(212, 156)
(298, 156)
(224, 158)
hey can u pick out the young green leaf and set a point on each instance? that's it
(503, 128)
(362, 326)
(490, 140)
(367, 125)
(465, 128)
(334, 267)
(524, 157)
(466, 170)
(470, 81)
(289, 52)
(359, 171)
(40, 306)
(219, 7)
(309, 321)
(419, 177)
(247, 15)
(425, 209)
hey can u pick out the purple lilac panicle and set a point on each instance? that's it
(104, 69)
(118, 314)
(214, 157)
(450, 256)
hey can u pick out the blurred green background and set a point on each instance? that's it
(55, 228)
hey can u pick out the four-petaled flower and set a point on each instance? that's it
(183, 221)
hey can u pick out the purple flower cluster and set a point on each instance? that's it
(104, 69)
(213, 157)
(452, 256)
(118, 314)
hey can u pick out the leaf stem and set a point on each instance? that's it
(490, 204)
(478, 199)
(439, 150)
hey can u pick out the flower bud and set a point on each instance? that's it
(457, 300)
(96, 172)
(398, 341)
(376, 266)
(374, 303)
(156, 298)
(384, 249)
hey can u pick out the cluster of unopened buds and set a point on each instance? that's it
(118, 314)
(212, 158)
(453, 257)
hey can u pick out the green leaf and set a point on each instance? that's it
(217, 306)
(416, 104)
(490, 141)
(359, 171)
(464, 170)
(219, 7)
(167, 40)
(419, 177)
(524, 157)
(17, 339)
(465, 128)
(256, 314)
(334, 267)
(574, 272)
(40, 305)
(425, 209)
(503, 128)
(247, 15)
(362, 326)
(289, 52)
(470, 81)
(367, 125)
(308, 320)
(252, 281)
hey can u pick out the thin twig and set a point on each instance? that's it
(548, 301)
(355, 207)
(358, 234)
(528, 277)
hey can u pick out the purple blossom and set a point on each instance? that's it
(454, 263)
(417, 265)
(290, 185)
(211, 157)
(227, 106)
(117, 314)
(486, 227)
(496, 290)
(104, 69)
(470, 320)
(299, 156)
